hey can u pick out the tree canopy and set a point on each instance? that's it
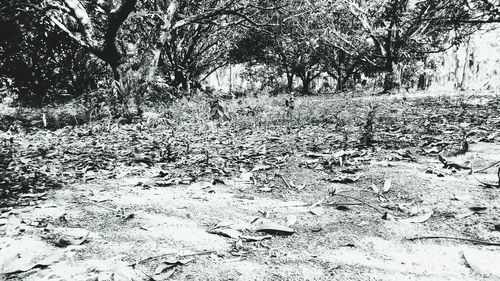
(56, 48)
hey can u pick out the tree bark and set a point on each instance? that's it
(289, 82)
(392, 79)
(340, 84)
(422, 82)
(149, 68)
(306, 84)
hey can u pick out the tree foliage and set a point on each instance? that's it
(57, 48)
(45, 65)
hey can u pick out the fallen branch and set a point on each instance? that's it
(170, 254)
(488, 243)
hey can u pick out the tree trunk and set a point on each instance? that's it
(423, 82)
(180, 79)
(306, 84)
(289, 82)
(392, 80)
(340, 84)
(153, 56)
(468, 63)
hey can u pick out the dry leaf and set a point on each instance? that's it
(227, 232)
(387, 185)
(274, 228)
(345, 179)
(200, 185)
(291, 220)
(255, 238)
(260, 168)
(375, 189)
(420, 218)
(67, 240)
(246, 176)
(318, 211)
(484, 263)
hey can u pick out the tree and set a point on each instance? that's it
(283, 44)
(45, 65)
(100, 28)
(400, 29)
(195, 51)
(343, 50)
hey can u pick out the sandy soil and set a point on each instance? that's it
(129, 219)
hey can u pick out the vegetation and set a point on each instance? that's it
(57, 50)
(149, 140)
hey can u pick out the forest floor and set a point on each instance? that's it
(272, 193)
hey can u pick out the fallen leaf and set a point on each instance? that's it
(375, 189)
(471, 211)
(318, 211)
(274, 228)
(68, 240)
(342, 208)
(260, 168)
(218, 181)
(227, 232)
(387, 185)
(420, 218)
(246, 177)
(317, 229)
(26, 254)
(163, 275)
(485, 263)
(244, 197)
(464, 214)
(478, 209)
(238, 245)
(255, 238)
(388, 217)
(200, 185)
(344, 179)
(291, 220)
(33, 195)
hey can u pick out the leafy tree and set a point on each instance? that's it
(108, 29)
(402, 29)
(195, 51)
(283, 44)
(343, 50)
(44, 64)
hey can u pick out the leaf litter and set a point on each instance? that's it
(248, 156)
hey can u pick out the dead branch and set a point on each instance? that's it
(476, 241)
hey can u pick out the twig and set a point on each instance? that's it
(488, 243)
(169, 254)
(361, 201)
(490, 166)
(342, 204)
(286, 183)
(489, 185)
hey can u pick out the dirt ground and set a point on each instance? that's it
(123, 228)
